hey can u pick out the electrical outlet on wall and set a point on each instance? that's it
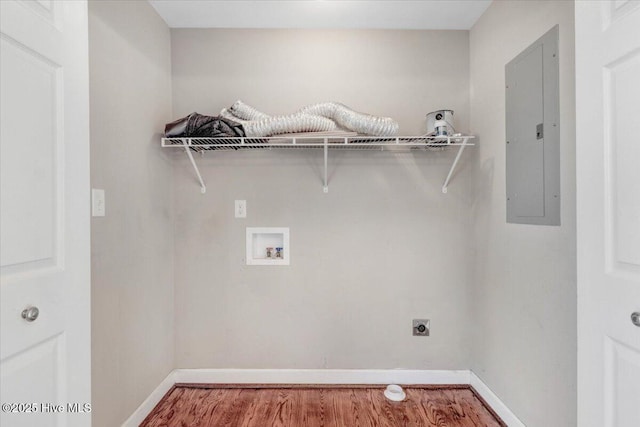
(421, 327)
(241, 208)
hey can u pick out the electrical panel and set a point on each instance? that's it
(533, 134)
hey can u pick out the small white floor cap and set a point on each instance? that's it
(394, 392)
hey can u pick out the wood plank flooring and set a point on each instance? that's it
(318, 406)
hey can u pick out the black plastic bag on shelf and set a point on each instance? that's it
(198, 125)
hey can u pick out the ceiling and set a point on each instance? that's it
(382, 14)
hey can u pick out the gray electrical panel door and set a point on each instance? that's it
(533, 134)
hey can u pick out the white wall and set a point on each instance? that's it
(524, 285)
(382, 247)
(132, 247)
(379, 72)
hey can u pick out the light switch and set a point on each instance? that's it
(98, 207)
(241, 208)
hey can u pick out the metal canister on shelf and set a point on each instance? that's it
(269, 252)
(438, 116)
(441, 128)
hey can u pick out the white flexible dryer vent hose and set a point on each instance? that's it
(353, 120)
(336, 112)
(288, 124)
(282, 124)
(227, 114)
(246, 112)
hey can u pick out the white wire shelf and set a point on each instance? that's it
(324, 142)
(306, 142)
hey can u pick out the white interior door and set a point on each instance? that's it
(608, 169)
(44, 214)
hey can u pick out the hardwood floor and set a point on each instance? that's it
(318, 406)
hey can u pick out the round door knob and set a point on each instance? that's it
(635, 318)
(30, 314)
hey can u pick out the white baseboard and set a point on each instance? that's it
(150, 402)
(494, 401)
(321, 376)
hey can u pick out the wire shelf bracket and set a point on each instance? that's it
(325, 188)
(453, 167)
(203, 186)
(326, 143)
